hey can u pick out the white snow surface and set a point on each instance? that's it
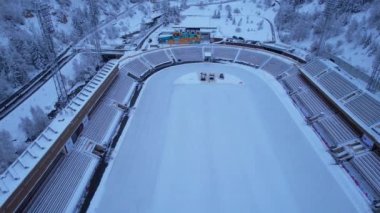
(250, 13)
(237, 146)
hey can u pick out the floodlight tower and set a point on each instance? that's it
(94, 21)
(374, 82)
(47, 28)
(329, 10)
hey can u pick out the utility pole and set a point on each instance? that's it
(94, 21)
(329, 11)
(47, 28)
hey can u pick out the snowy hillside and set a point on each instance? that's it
(245, 19)
(21, 39)
(352, 34)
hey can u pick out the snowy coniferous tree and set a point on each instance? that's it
(18, 67)
(143, 9)
(80, 23)
(165, 7)
(351, 30)
(7, 150)
(183, 4)
(376, 61)
(5, 88)
(34, 126)
(374, 82)
(175, 15)
(142, 25)
(300, 32)
(260, 25)
(4, 64)
(112, 32)
(64, 3)
(374, 17)
(86, 67)
(12, 12)
(201, 5)
(267, 3)
(22, 43)
(40, 119)
(26, 125)
(39, 59)
(216, 14)
(156, 6)
(240, 21)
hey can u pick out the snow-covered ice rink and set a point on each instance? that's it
(234, 145)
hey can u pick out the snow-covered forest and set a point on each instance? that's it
(353, 32)
(21, 38)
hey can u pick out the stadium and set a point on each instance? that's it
(229, 127)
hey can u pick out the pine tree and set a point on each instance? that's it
(32, 127)
(7, 150)
(183, 4)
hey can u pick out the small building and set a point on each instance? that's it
(179, 37)
(199, 25)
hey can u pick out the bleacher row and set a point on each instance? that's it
(366, 108)
(61, 186)
(343, 139)
(364, 169)
(22, 174)
(315, 108)
(312, 104)
(106, 114)
(361, 105)
(62, 190)
(335, 130)
(141, 65)
(340, 136)
(100, 120)
(338, 86)
(118, 92)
